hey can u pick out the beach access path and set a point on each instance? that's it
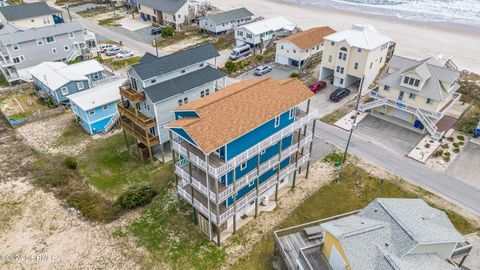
(414, 39)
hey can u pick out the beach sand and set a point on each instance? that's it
(414, 39)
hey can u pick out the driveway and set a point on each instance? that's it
(140, 35)
(278, 72)
(392, 136)
(322, 103)
(466, 166)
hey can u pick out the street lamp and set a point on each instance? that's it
(354, 125)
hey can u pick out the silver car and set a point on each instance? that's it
(259, 71)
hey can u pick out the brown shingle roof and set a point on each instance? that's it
(238, 109)
(310, 38)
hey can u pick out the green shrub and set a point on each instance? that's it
(438, 153)
(71, 163)
(446, 159)
(456, 150)
(461, 138)
(427, 145)
(461, 143)
(333, 157)
(230, 66)
(447, 154)
(259, 57)
(456, 145)
(135, 196)
(293, 75)
(451, 139)
(444, 146)
(93, 205)
(168, 31)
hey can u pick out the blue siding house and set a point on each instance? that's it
(234, 150)
(57, 80)
(96, 108)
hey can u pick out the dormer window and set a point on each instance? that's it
(411, 81)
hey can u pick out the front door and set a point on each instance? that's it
(400, 96)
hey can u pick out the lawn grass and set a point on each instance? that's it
(111, 22)
(3, 81)
(122, 63)
(338, 198)
(109, 167)
(92, 12)
(166, 230)
(108, 41)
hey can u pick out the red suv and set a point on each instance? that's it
(317, 86)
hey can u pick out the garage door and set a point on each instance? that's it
(403, 115)
(282, 60)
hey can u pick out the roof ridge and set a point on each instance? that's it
(397, 220)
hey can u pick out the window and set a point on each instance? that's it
(417, 83)
(80, 85)
(429, 101)
(152, 131)
(243, 166)
(91, 112)
(240, 33)
(15, 47)
(71, 35)
(183, 71)
(40, 42)
(207, 92)
(249, 35)
(66, 48)
(281, 47)
(202, 93)
(18, 59)
(290, 113)
(50, 39)
(263, 152)
(153, 81)
(341, 81)
(202, 64)
(340, 69)
(332, 43)
(355, 66)
(381, 59)
(180, 102)
(294, 51)
(359, 50)
(54, 51)
(386, 87)
(342, 56)
(371, 65)
(185, 100)
(22, 58)
(251, 184)
(134, 83)
(105, 107)
(411, 81)
(412, 96)
(277, 121)
(329, 58)
(64, 90)
(384, 46)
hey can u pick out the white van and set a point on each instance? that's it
(240, 51)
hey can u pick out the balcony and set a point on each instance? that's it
(137, 117)
(6, 62)
(220, 169)
(127, 92)
(140, 134)
(399, 104)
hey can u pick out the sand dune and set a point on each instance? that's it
(413, 39)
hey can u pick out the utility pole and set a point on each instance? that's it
(359, 96)
(156, 47)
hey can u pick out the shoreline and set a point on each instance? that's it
(414, 39)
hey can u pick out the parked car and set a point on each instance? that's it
(124, 54)
(317, 86)
(113, 51)
(259, 71)
(240, 51)
(156, 31)
(339, 94)
(105, 47)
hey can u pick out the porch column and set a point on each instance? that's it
(217, 209)
(191, 187)
(208, 202)
(278, 168)
(161, 147)
(257, 184)
(234, 199)
(173, 157)
(296, 158)
(311, 147)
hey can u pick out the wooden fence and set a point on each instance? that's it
(14, 89)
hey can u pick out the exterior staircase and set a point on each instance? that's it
(427, 122)
(75, 53)
(113, 121)
(371, 105)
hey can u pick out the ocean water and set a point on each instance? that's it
(458, 13)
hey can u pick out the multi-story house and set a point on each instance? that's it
(31, 15)
(388, 234)
(159, 84)
(166, 12)
(259, 34)
(57, 80)
(22, 49)
(417, 94)
(225, 21)
(296, 49)
(353, 54)
(236, 148)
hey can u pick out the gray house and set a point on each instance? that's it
(22, 49)
(30, 15)
(159, 84)
(166, 12)
(224, 21)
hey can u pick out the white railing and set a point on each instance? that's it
(105, 80)
(431, 127)
(218, 172)
(455, 99)
(403, 106)
(371, 105)
(6, 62)
(111, 123)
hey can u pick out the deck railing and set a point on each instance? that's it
(136, 116)
(218, 172)
(127, 92)
(399, 104)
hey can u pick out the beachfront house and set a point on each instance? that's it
(23, 49)
(235, 149)
(417, 94)
(30, 15)
(165, 12)
(57, 80)
(260, 34)
(389, 234)
(159, 84)
(96, 108)
(353, 54)
(224, 21)
(297, 49)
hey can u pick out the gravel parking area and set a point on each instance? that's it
(465, 166)
(278, 72)
(141, 35)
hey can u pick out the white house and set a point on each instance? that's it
(224, 21)
(351, 54)
(165, 12)
(259, 33)
(294, 50)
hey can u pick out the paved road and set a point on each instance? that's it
(412, 171)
